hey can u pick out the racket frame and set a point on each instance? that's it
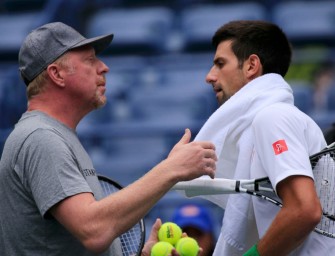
(105, 180)
(254, 187)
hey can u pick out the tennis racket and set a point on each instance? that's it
(323, 166)
(132, 241)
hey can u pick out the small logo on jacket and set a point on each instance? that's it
(279, 147)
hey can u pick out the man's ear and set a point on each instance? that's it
(56, 75)
(253, 67)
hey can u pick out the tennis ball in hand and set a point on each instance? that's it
(161, 248)
(187, 246)
(169, 232)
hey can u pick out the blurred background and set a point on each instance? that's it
(158, 60)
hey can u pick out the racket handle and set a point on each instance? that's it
(203, 186)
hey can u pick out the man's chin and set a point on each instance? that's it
(101, 102)
(101, 105)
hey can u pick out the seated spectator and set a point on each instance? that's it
(196, 221)
(324, 81)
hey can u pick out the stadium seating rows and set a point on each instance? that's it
(160, 54)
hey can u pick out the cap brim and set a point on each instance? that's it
(99, 43)
(201, 225)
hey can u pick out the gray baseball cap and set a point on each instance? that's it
(47, 43)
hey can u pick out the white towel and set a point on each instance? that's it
(229, 129)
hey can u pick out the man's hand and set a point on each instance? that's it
(153, 238)
(192, 159)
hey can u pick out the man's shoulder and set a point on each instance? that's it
(283, 114)
(276, 110)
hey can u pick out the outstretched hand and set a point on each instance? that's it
(153, 239)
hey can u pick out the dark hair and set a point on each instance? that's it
(262, 38)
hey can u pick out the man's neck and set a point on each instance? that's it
(63, 115)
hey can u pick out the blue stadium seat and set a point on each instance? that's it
(324, 119)
(176, 90)
(184, 60)
(126, 151)
(307, 22)
(12, 6)
(172, 103)
(13, 30)
(331, 98)
(4, 133)
(124, 73)
(303, 96)
(13, 100)
(137, 30)
(18, 18)
(127, 158)
(199, 23)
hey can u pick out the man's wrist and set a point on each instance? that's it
(252, 251)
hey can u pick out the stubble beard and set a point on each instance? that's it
(100, 100)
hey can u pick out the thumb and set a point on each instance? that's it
(153, 238)
(154, 230)
(186, 137)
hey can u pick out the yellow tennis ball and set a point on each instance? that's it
(187, 246)
(169, 232)
(161, 249)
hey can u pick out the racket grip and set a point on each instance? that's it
(202, 186)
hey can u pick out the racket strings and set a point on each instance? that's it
(324, 179)
(108, 188)
(131, 241)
